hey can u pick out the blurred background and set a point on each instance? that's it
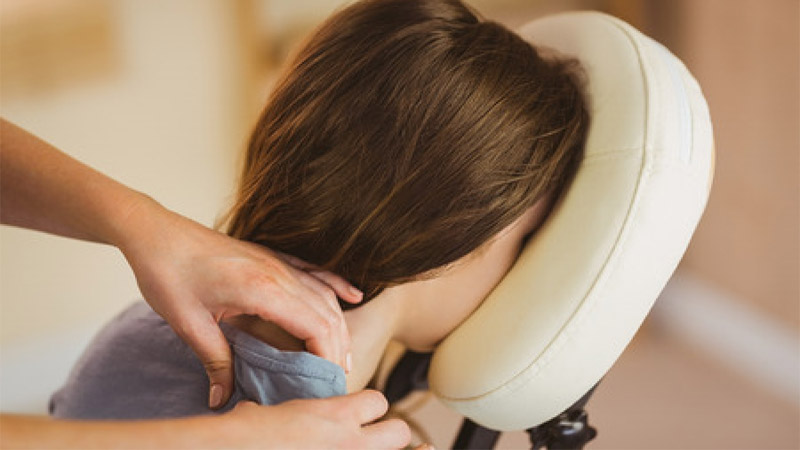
(161, 95)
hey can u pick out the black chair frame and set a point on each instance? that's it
(568, 430)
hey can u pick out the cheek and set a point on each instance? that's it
(452, 297)
(439, 315)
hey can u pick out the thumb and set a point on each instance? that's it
(206, 339)
(365, 406)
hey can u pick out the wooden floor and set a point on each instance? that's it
(662, 395)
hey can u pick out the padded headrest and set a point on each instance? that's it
(583, 285)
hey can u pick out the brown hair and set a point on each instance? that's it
(404, 135)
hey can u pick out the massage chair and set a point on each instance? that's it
(531, 355)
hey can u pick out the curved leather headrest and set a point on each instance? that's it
(584, 284)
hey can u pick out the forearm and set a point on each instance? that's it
(33, 432)
(345, 422)
(44, 189)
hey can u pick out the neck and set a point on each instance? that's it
(371, 328)
(421, 313)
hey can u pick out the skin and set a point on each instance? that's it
(422, 313)
(194, 277)
(191, 275)
(337, 423)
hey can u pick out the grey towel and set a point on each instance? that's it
(138, 368)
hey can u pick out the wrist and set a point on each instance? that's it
(136, 223)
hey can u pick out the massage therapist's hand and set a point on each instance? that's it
(194, 277)
(347, 422)
(191, 275)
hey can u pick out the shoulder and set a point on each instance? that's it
(136, 367)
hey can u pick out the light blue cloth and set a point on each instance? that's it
(138, 368)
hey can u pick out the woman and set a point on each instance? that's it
(410, 147)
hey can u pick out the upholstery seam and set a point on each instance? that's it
(586, 306)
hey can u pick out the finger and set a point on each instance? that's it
(204, 336)
(306, 320)
(296, 262)
(327, 348)
(393, 433)
(365, 406)
(337, 335)
(340, 286)
(325, 302)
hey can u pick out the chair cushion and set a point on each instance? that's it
(584, 284)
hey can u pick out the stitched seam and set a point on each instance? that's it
(587, 305)
(276, 365)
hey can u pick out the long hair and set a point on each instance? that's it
(404, 135)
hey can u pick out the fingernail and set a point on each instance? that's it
(215, 396)
(356, 293)
(348, 362)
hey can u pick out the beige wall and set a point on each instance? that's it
(746, 56)
(143, 90)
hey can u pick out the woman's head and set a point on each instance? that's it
(405, 135)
